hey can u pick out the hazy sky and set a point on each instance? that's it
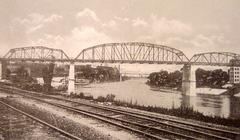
(192, 26)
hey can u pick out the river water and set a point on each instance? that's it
(136, 91)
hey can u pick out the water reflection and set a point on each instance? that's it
(207, 104)
(135, 90)
(222, 105)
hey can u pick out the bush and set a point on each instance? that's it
(110, 97)
(81, 95)
(90, 97)
(101, 99)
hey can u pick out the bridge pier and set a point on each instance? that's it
(120, 74)
(3, 67)
(226, 107)
(189, 102)
(1, 72)
(71, 79)
(28, 71)
(189, 80)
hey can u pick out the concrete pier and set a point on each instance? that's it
(226, 107)
(28, 71)
(120, 74)
(71, 79)
(3, 67)
(1, 72)
(189, 80)
(189, 101)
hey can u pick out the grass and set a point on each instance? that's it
(108, 98)
(183, 112)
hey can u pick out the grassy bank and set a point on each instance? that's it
(183, 112)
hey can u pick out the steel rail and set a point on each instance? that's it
(140, 115)
(42, 122)
(103, 118)
(153, 120)
(149, 119)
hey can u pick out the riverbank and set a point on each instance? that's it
(142, 91)
(136, 90)
(165, 89)
(124, 107)
(199, 90)
(210, 91)
(182, 112)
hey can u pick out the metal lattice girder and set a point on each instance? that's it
(132, 52)
(36, 53)
(214, 58)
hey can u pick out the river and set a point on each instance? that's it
(136, 91)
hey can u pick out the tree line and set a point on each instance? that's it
(204, 78)
(99, 74)
(22, 79)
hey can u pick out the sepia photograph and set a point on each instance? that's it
(119, 70)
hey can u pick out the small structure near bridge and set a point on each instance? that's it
(234, 71)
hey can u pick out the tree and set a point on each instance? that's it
(22, 73)
(8, 74)
(216, 78)
(47, 73)
(159, 78)
(175, 79)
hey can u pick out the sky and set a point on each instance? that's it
(192, 26)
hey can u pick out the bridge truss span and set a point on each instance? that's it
(214, 58)
(36, 53)
(132, 52)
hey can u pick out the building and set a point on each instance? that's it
(234, 72)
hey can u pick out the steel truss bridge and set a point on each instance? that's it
(214, 58)
(132, 52)
(36, 53)
(128, 52)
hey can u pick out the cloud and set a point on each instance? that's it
(202, 41)
(87, 13)
(111, 23)
(165, 26)
(88, 17)
(164, 31)
(53, 18)
(139, 22)
(92, 31)
(214, 42)
(88, 34)
(34, 28)
(84, 37)
(199, 43)
(123, 19)
(78, 39)
(36, 18)
(35, 21)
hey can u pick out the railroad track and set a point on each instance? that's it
(151, 126)
(21, 124)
